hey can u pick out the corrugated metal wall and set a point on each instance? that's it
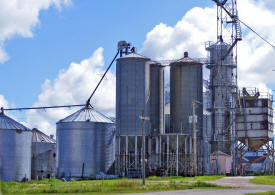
(132, 94)
(15, 154)
(156, 99)
(186, 85)
(84, 143)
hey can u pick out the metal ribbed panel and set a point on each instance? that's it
(132, 93)
(8, 123)
(186, 86)
(223, 90)
(156, 98)
(43, 158)
(38, 136)
(15, 150)
(88, 143)
(85, 114)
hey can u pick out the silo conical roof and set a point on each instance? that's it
(134, 55)
(186, 59)
(39, 136)
(87, 114)
(9, 123)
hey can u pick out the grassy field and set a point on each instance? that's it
(264, 180)
(101, 187)
(263, 193)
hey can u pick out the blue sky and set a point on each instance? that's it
(73, 33)
(44, 38)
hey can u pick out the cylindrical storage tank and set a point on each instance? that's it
(186, 86)
(157, 99)
(223, 89)
(132, 93)
(85, 142)
(43, 155)
(15, 150)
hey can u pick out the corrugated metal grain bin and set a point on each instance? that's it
(85, 144)
(43, 155)
(186, 86)
(157, 99)
(132, 93)
(15, 150)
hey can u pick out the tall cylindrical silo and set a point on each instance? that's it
(85, 142)
(186, 86)
(223, 91)
(15, 150)
(157, 98)
(132, 93)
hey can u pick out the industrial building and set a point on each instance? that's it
(197, 127)
(197, 132)
(254, 126)
(140, 87)
(43, 155)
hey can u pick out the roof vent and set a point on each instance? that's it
(186, 54)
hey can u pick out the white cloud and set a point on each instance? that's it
(189, 34)
(19, 17)
(73, 86)
(255, 57)
(3, 102)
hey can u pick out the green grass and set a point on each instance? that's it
(264, 180)
(100, 187)
(179, 178)
(263, 193)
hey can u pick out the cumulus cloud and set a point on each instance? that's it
(19, 17)
(255, 56)
(199, 25)
(73, 86)
(189, 34)
(3, 102)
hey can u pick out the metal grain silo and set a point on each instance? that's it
(132, 93)
(85, 144)
(15, 150)
(157, 98)
(186, 86)
(223, 90)
(43, 155)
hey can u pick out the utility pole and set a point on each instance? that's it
(194, 139)
(143, 146)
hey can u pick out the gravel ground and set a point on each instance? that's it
(240, 186)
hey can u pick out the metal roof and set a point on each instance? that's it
(87, 114)
(9, 123)
(186, 60)
(134, 55)
(38, 136)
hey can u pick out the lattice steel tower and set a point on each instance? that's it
(223, 75)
